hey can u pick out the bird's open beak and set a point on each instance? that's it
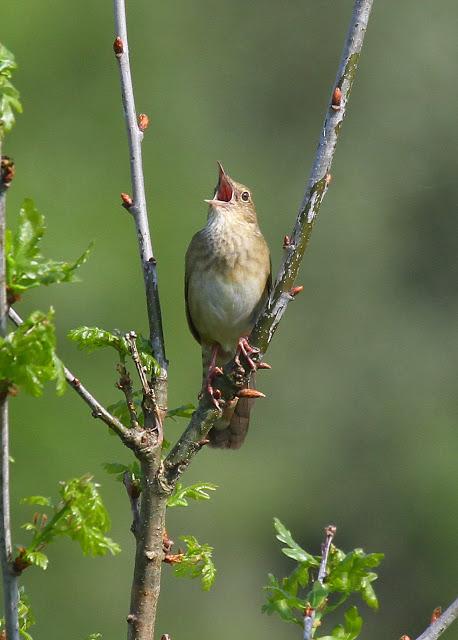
(224, 190)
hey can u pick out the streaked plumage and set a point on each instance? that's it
(227, 280)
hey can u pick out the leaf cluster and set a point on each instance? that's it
(92, 338)
(26, 618)
(197, 491)
(28, 357)
(196, 562)
(26, 267)
(347, 574)
(79, 514)
(9, 95)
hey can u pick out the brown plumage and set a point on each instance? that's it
(227, 280)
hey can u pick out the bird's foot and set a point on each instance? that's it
(246, 350)
(215, 394)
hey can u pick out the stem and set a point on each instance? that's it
(283, 291)
(139, 208)
(330, 532)
(149, 555)
(438, 627)
(10, 580)
(149, 533)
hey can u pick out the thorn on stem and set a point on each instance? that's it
(143, 122)
(336, 99)
(263, 365)
(286, 242)
(404, 637)
(203, 442)
(436, 614)
(250, 393)
(127, 201)
(166, 636)
(118, 47)
(328, 179)
(8, 171)
(295, 290)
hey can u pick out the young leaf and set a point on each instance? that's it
(27, 355)
(181, 494)
(80, 515)
(293, 550)
(197, 562)
(25, 617)
(26, 267)
(9, 95)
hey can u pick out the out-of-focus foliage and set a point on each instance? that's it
(26, 267)
(346, 575)
(80, 515)
(9, 95)
(359, 423)
(25, 616)
(28, 358)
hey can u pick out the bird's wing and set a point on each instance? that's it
(189, 265)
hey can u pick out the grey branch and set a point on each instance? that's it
(139, 207)
(283, 290)
(98, 411)
(438, 627)
(10, 581)
(330, 532)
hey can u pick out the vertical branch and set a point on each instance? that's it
(10, 581)
(138, 207)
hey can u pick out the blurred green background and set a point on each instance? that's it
(358, 427)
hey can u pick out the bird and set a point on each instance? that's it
(227, 280)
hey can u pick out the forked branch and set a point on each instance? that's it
(283, 290)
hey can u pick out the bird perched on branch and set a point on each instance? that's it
(228, 277)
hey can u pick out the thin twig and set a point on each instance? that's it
(98, 410)
(10, 580)
(138, 207)
(125, 385)
(442, 623)
(284, 290)
(330, 532)
(131, 339)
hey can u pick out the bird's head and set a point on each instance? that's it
(232, 198)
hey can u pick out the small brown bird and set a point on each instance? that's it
(227, 279)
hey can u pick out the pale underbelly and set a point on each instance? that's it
(222, 310)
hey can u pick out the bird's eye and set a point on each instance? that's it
(245, 196)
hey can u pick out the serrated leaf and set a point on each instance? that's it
(197, 562)
(26, 267)
(37, 558)
(293, 550)
(9, 95)
(197, 491)
(27, 355)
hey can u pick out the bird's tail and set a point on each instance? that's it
(230, 430)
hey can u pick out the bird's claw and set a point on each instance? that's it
(245, 349)
(215, 394)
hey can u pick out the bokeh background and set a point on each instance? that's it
(359, 425)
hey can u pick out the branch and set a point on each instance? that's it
(137, 206)
(442, 623)
(10, 580)
(128, 436)
(283, 290)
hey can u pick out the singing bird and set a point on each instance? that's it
(227, 279)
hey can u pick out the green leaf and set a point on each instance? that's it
(92, 338)
(26, 267)
(42, 501)
(117, 469)
(9, 95)
(37, 558)
(181, 494)
(95, 636)
(27, 355)
(26, 618)
(80, 515)
(185, 411)
(293, 550)
(197, 563)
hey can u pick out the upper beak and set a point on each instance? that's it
(224, 190)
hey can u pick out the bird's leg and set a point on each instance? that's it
(212, 372)
(244, 348)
